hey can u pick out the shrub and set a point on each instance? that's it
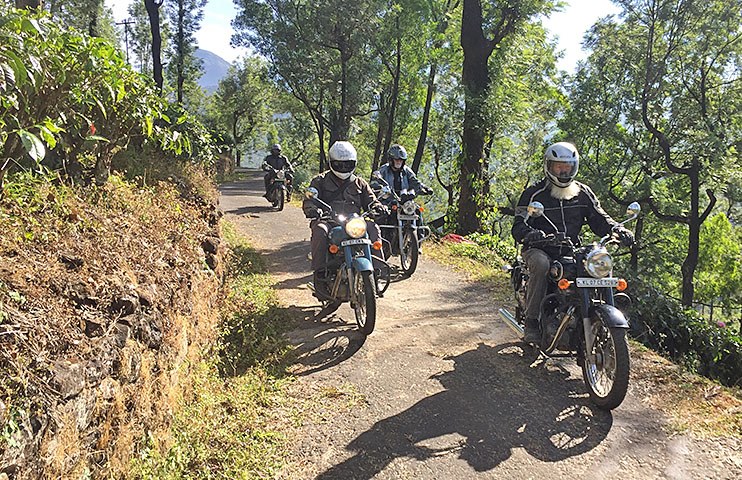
(662, 324)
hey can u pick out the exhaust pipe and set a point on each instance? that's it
(510, 321)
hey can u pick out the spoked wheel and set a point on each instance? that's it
(606, 368)
(365, 304)
(410, 252)
(382, 275)
(281, 199)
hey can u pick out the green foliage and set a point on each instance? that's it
(662, 324)
(504, 249)
(74, 96)
(719, 274)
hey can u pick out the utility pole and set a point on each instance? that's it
(126, 24)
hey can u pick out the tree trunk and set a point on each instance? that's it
(153, 11)
(395, 92)
(426, 118)
(475, 78)
(694, 230)
(379, 133)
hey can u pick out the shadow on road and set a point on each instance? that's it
(494, 402)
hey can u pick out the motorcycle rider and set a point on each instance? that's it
(346, 193)
(278, 162)
(569, 205)
(398, 175)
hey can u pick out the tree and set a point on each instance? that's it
(184, 68)
(153, 10)
(668, 80)
(320, 52)
(484, 28)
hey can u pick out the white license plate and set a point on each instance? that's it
(407, 217)
(355, 241)
(596, 282)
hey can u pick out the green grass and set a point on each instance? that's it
(230, 426)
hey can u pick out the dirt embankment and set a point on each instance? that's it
(105, 294)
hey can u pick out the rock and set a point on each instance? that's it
(67, 378)
(81, 294)
(210, 244)
(125, 304)
(93, 328)
(120, 334)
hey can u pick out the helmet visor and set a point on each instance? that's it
(565, 171)
(343, 166)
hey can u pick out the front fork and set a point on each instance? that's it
(400, 234)
(351, 272)
(587, 325)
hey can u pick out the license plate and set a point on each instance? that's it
(596, 282)
(407, 217)
(355, 241)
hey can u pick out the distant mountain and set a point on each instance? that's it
(215, 68)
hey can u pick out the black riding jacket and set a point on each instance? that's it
(568, 215)
(279, 162)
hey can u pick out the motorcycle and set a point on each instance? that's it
(279, 190)
(578, 315)
(404, 230)
(349, 270)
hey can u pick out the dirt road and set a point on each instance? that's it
(442, 389)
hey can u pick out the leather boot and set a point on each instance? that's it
(532, 334)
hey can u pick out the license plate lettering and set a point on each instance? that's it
(596, 282)
(355, 241)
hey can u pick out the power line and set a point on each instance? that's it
(126, 24)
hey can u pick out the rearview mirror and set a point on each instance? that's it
(535, 209)
(311, 192)
(633, 209)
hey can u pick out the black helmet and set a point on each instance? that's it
(276, 148)
(396, 152)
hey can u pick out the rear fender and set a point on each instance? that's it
(610, 315)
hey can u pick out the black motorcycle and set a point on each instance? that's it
(578, 316)
(279, 189)
(349, 268)
(404, 230)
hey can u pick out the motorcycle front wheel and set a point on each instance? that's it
(606, 368)
(365, 304)
(410, 252)
(281, 199)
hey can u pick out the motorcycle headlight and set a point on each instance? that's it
(409, 207)
(599, 263)
(281, 175)
(356, 227)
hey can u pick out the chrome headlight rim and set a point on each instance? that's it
(356, 227)
(599, 263)
(409, 207)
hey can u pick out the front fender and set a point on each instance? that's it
(362, 264)
(610, 315)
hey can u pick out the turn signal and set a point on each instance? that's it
(622, 285)
(334, 249)
(564, 284)
(394, 207)
(377, 245)
(422, 209)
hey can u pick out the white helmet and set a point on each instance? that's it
(561, 163)
(343, 159)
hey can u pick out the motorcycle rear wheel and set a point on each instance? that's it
(410, 252)
(365, 305)
(606, 369)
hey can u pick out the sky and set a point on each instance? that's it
(569, 26)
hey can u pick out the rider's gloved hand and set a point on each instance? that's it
(534, 236)
(380, 210)
(624, 235)
(426, 190)
(314, 214)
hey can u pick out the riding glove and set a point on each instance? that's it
(534, 236)
(624, 235)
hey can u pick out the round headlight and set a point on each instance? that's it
(409, 207)
(356, 227)
(599, 263)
